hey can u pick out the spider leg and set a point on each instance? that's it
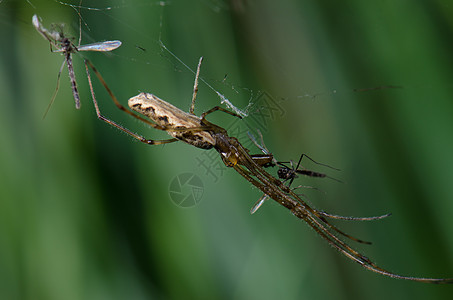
(120, 106)
(325, 214)
(321, 217)
(108, 121)
(194, 97)
(216, 108)
(195, 87)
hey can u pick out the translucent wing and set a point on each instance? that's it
(100, 46)
(51, 36)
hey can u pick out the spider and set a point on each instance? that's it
(199, 132)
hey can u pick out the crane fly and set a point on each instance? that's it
(199, 132)
(64, 45)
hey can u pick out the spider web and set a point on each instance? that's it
(160, 41)
(145, 47)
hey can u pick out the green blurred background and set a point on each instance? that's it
(85, 211)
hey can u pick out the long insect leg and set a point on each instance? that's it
(318, 163)
(56, 90)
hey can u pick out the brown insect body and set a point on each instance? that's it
(64, 45)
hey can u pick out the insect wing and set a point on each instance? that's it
(36, 23)
(51, 36)
(258, 204)
(100, 46)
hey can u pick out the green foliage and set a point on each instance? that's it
(85, 211)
